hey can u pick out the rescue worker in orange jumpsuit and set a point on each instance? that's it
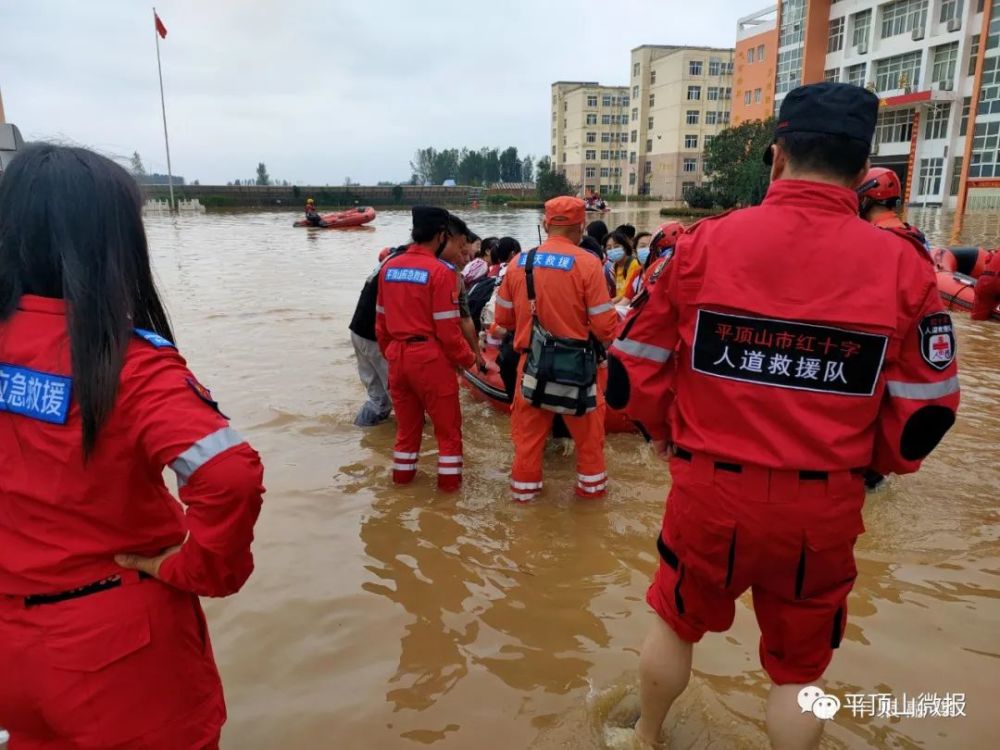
(987, 289)
(880, 194)
(103, 643)
(775, 403)
(572, 303)
(417, 324)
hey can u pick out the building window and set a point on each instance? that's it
(789, 73)
(652, 100)
(690, 165)
(591, 119)
(862, 25)
(966, 107)
(590, 155)
(649, 124)
(903, 16)
(652, 76)
(635, 69)
(591, 137)
(690, 141)
(606, 100)
(605, 172)
(564, 157)
(724, 117)
(973, 54)
(631, 158)
(729, 93)
(635, 92)
(708, 140)
(590, 172)
(747, 97)
(647, 167)
(898, 72)
(856, 74)
(986, 150)
(694, 93)
(715, 67)
(634, 136)
(757, 93)
(930, 176)
(936, 124)
(956, 175)
(605, 119)
(685, 186)
(649, 145)
(989, 92)
(949, 10)
(624, 102)
(750, 55)
(710, 117)
(945, 61)
(712, 94)
(835, 38)
(832, 75)
(623, 120)
(591, 101)
(605, 137)
(760, 53)
(692, 117)
(635, 114)
(694, 67)
(791, 33)
(894, 126)
(605, 155)
(631, 179)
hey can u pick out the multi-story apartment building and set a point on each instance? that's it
(756, 58)
(681, 99)
(590, 134)
(935, 64)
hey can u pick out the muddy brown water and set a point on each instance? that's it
(384, 618)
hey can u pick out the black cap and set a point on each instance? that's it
(831, 108)
(431, 218)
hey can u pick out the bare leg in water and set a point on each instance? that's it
(664, 671)
(788, 727)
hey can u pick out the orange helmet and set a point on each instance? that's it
(666, 236)
(880, 186)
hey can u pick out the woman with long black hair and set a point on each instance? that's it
(103, 643)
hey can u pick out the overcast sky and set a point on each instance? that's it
(321, 90)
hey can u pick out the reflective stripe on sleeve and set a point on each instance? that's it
(923, 391)
(643, 351)
(598, 309)
(379, 310)
(504, 303)
(446, 315)
(199, 454)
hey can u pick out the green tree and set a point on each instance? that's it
(445, 166)
(423, 164)
(550, 183)
(510, 165)
(470, 168)
(528, 169)
(733, 163)
(491, 165)
(137, 168)
(263, 178)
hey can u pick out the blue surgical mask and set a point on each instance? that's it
(643, 255)
(616, 253)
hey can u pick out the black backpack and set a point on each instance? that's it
(479, 295)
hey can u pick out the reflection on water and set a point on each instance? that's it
(385, 618)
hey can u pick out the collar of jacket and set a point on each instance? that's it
(821, 196)
(33, 303)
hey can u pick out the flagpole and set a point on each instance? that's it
(163, 107)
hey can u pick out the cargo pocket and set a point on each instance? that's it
(708, 547)
(826, 560)
(91, 645)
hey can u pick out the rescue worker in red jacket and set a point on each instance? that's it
(418, 327)
(778, 379)
(103, 643)
(312, 215)
(987, 289)
(880, 195)
(572, 303)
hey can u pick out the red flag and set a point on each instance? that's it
(160, 28)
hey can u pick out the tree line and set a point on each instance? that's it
(471, 167)
(733, 167)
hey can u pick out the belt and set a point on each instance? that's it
(114, 582)
(685, 455)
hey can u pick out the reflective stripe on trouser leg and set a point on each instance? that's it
(438, 386)
(409, 423)
(529, 428)
(588, 434)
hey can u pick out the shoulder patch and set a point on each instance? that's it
(450, 266)
(153, 338)
(34, 394)
(937, 340)
(204, 394)
(915, 237)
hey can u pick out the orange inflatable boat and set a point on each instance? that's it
(958, 268)
(353, 218)
(488, 387)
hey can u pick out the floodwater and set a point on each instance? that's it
(383, 618)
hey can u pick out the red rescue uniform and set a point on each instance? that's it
(419, 332)
(94, 656)
(987, 289)
(573, 302)
(780, 378)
